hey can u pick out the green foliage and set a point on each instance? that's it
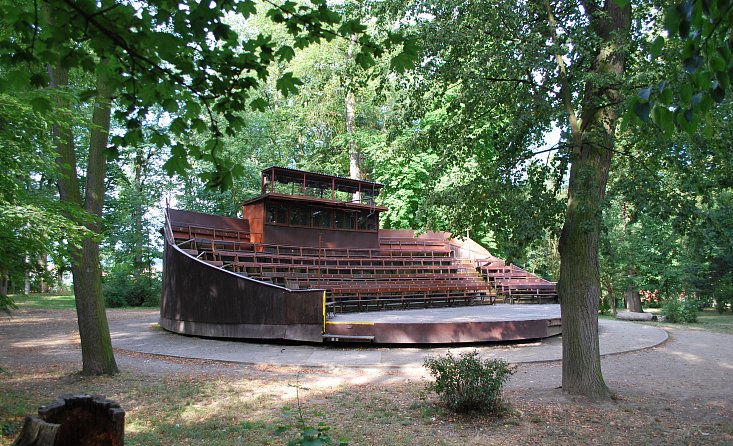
(308, 435)
(7, 304)
(121, 289)
(699, 43)
(604, 307)
(468, 383)
(680, 311)
(184, 56)
(32, 221)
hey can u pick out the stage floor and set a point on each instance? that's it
(480, 323)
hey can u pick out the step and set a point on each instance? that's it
(356, 338)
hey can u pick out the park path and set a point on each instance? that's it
(690, 365)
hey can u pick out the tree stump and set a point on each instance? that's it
(75, 420)
(36, 432)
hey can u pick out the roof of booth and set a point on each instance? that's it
(285, 175)
(315, 201)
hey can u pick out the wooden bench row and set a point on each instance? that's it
(405, 300)
(275, 269)
(273, 259)
(189, 232)
(422, 284)
(234, 245)
(374, 277)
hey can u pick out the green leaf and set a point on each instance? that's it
(285, 53)
(41, 104)
(407, 57)
(664, 118)
(178, 126)
(642, 109)
(288, 84)
(717, 63)
(665, 93)
(246, 8)
(353, 26)
(364, 59)
(112, 152)
(686, 93)
(672, 20)
(170, 105)
(258, 104)
(656, 48)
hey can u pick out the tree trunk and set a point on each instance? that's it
(350, 104)
(633, 300)
(43, 264)
(96, 344)
(27, 276)
(579, 284)
(4, 281)
(593, 137)
(140, 236)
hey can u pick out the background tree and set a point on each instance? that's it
(182, 57)
(532, 65)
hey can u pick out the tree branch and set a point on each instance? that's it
(564, 84)
(518, 81)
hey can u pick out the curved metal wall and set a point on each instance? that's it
(203, 300)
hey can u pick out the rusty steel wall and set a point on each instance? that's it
(200, 299)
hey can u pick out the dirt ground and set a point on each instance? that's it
(680, 392)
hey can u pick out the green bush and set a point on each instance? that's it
(6, 304)
(469, 383)
(675, 310)
(122, 289)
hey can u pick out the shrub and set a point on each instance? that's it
(675, 310)
(123, 289)
(469, 383)
(6, 304)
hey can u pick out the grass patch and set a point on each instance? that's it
(47, 301)
(711, 320)
(44, 301)
(707, 319)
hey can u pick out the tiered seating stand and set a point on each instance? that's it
(401, 274)
(516, 285)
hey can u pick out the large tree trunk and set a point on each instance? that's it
(350, 105)
(43, 265)
(96, 344)
(27, 276)
(140, 237)
(592, 145)
(633, 300)
(4, 281)
(579, 285)
(610, 296)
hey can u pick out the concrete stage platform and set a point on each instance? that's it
(139, 332)
(481, 323)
